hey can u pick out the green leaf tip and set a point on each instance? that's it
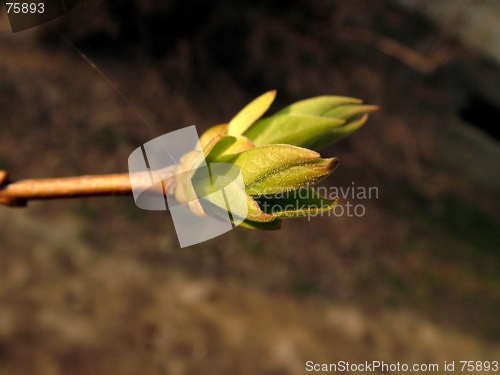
(313, 123)
(251, 113)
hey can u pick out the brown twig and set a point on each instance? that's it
(410, 57)
(17, 194)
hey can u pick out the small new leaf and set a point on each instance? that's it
(293, 177)
(339, 133)
(272, 225)
(312, 123)
(345, 112)
(251, 113)
(274, 168)
(303, 202)
(211, 133)
(317, 106)
(258, 162)
(216, 146)
(242, 205)
(292, 129)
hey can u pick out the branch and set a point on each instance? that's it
(17, 194)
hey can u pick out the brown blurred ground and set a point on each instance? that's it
(98, 286)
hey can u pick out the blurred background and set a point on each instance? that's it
(97, 286)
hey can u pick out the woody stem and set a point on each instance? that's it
(17, 194)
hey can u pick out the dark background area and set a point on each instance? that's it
(99, 286)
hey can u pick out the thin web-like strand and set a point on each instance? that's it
(125, 96)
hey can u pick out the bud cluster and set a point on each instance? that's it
(275, 155)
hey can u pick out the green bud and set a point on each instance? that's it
(266, 170)
(274, 157)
